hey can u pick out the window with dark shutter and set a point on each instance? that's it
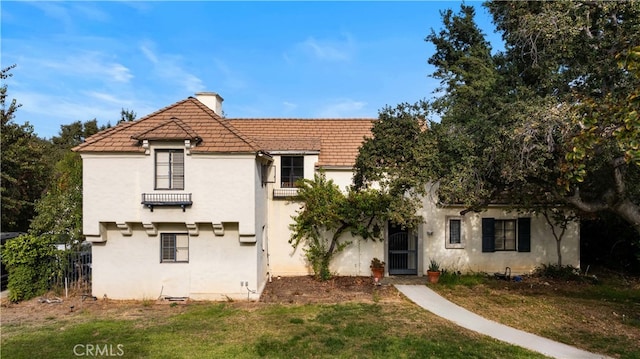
(524, 234)
(488, 237)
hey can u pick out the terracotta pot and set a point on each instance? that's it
(378, 272)
(433, 277)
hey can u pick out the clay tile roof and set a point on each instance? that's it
(186, 119)
(174, 129)
(337, 140)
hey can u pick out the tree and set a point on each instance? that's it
(127, 115)
(523, 131)
(75, 133)
(25, 168)
(326, 214)
(572, 52)
(59, 211)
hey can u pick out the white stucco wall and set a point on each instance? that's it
(287, 261)
(226, 192)
(129, 267)
(222, 186)
(472, 259)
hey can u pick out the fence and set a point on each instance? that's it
(73, 272)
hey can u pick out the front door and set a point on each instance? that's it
(403, 251)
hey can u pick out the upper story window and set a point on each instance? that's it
(169, 169)
(292, 169)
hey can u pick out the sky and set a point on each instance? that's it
(80, 60)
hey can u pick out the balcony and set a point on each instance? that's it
(285, 192)
(166, 199)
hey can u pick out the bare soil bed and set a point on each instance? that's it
(285, 290)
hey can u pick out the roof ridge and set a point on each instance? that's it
(175, 120)
(304, 118)
(225, 122)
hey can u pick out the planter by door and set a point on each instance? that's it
(378, 273)
(433, 277)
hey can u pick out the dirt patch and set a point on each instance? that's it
(285, 290)
(305, 289)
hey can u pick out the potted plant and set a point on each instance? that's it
(433, 272)
(377, 269)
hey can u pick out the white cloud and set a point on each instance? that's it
(330, 50)
(148, 53)
(87, 65)
(289, 106)
(344, 108)
(231, 78)
(106, 97)
(325, 51)
(168, 67)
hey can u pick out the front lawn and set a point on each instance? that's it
(239, 330)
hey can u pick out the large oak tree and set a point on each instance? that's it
(551, 121)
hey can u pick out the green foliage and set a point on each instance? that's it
(25, 167)
(434, 266)
(558, 272)
(452, 278)
(75, 133)
(59, 211)
(550, 121)
(326, 214)
(127, 115)
(30, 261)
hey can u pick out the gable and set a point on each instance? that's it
(187, 119)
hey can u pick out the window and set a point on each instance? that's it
(506, 235)
(174, 248)
(454, 235)
(169, 169)
(292, 170)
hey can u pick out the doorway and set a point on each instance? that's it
(403, 251)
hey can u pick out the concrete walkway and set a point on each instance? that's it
(433, 302)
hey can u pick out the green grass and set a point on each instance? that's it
(390, 330)
(601, 316)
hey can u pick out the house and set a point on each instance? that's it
(187, 203)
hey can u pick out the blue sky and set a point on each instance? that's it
(82, 60)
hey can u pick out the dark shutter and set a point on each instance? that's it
(488, 235)
(524, 234)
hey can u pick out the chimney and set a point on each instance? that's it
(211, 100)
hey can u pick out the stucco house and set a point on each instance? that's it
(187, 203)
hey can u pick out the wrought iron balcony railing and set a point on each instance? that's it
(166, 199)
(285, 192)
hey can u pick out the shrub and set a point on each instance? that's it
(30, 261)
(453, 278)
(558, 272)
